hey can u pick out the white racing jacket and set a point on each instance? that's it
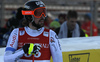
(48, 40)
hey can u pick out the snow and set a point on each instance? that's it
(2, 54)
(80, 43)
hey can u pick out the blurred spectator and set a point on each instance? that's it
(87, 26)
(14, 22)
(2, 32)
(70, 28)
(54, 25)
(61, 19)
(82, 31)
(57, 19)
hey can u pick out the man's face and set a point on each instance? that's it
(61, 20)
(71, 22)
(39, 21)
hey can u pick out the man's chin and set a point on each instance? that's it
(40, 26)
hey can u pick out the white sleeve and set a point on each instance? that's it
(55, 47)
(11, 54)
(13, 40)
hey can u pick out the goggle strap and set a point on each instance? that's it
(27, 12)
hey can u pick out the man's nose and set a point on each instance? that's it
(43, 17)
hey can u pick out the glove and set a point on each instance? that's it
(31, 48)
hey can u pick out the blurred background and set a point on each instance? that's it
(54, 8)
(8, 10)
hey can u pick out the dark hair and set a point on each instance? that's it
(25, 22)
(72, 14)
(63, 16)
(19, 13)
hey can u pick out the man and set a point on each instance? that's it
(62, 18)
(70, 28)
(89, 28)
(24, 43)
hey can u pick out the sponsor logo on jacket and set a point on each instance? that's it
(13, 40)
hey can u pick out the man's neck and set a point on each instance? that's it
(31, 26)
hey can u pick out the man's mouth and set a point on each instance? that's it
(41, 20)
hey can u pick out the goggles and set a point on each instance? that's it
(38, 12)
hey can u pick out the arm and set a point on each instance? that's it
(13, 56)
(11, 52)
(55, 47)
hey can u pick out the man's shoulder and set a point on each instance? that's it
(21, 28)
